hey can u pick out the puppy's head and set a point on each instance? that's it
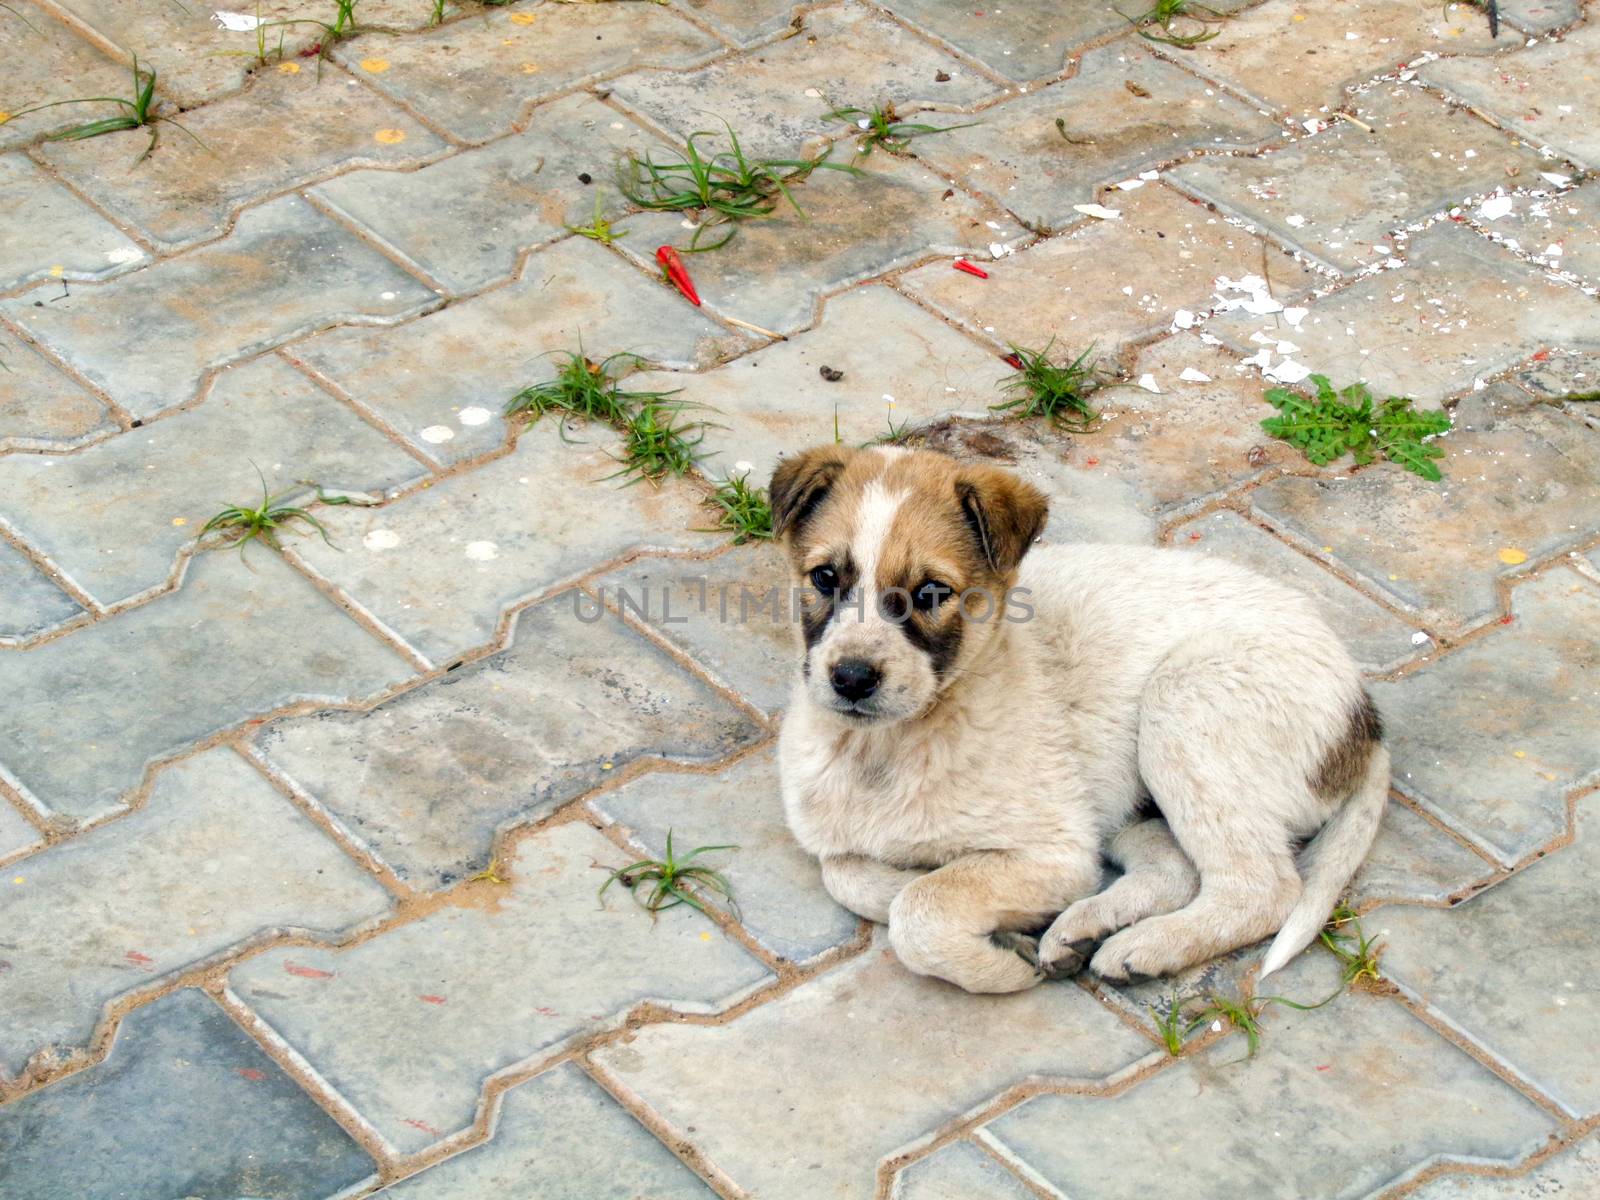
(904, 560)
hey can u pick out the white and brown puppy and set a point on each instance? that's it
(959, 766)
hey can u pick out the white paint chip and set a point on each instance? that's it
(482, 551)
(236, 22)
(1495, 207)
(438, 433)
(1098, 211)
(1190, 375)
(124, 254)
(1148, 383)
(381, 539)
(474, 416)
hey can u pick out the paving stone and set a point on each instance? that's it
(281, 131)
(467, 219)
(777, 886)
(441, 566)
(1339, 194)
(1413, 860)
(40, 408)
(1363, 1062)
(559, 1137)
(29, 602)
(479, 77)
(776, 103)
(1511, 967)
(781, 1118)
(959, 1171)
(444, 380)
(45, 62)
(185, 1105)
(16, 838)
(856, 227)
(150, 338)
(88, 712)
(427, 779)
(1106, 282)
(1570, 378)
(1018, 41)
(1112, 132)
(1459, 312)
(1575, 1172)
(1561, 232)
(1493, 736)
(743, 21)
(1531, 89)
(408, 1026)
(190, 884)
(1522, 486)
(116, 515)
(1379, 640)
(49, 232)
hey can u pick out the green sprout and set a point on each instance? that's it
(138, 113)
(261, 522)
(1333, 423)
(1060, 392)
(598, 229)
(658, 884)
(744, 511)
(1165, 12)
(883, 127)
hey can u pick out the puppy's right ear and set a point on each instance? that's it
(800, 483)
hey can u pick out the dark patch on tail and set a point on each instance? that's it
(1345, 762)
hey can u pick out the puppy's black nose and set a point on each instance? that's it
(855, 679)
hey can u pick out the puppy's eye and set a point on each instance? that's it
(825, 579)
(930, 594)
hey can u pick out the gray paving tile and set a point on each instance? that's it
(1561, 232)
(1574, 1172)
(1019, 41)
(427, 779)
(185, 1105)
(150, 338)
(89, 711)
(1411, 859)
(115, 515)
(408, 1026)
(743, 21)
(1570, 378)
(50, 233)
(959, 1171)
(40, 408)
(45, 63)
(16, 837)
(190, 883)
(1493, 736)
(776, 1096)
(29, 602)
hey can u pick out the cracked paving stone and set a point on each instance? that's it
(45, 62)
(742, 21)
(1575, 1172)
(1531, 91)
(1106, 283)
(16, 837)
(1460, 311)
(959, 1171)
(1124, 110)
(190, 883)
(1339, 194)
(856, 227)
(1560, 232)
(479, 77)
(781, 1119)
(441, 566)
(1492, 737)
(443, 381)
(282, 130)
(1521, 486)
(116, 516)
(427, 779)
(150, 338)
(1541, 16)
(40, 408)
(559, 1137)
(1527, 997)
(1413, 860)
(777, 103)
(50, 233)
(185, 1104)
(1271, 1126)
(776, 885)
(1570, 379)
(407, 1027)
(29, 602)
(467, 219)
(87, 713)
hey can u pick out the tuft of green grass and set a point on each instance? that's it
(437, 16)
(1164, 12)
(138, 113)
(743, 511)
(1174, 1028)
(263, 521)
(655, 443)
(1243, 1015)
(1357, 953)
(882, 126)
(894, 435)
(662, 883)
(1331, 423)
(1042, 387)
(598, 229)
(585, 389)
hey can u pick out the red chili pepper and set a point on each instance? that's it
(962, 264)
(677, 273)
(1012, 361)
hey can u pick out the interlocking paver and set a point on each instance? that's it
(44, 63)
(427, 779)
(559, 1137)
(1531, 91)
(1019, 41)
(855, 227)
(16, 837)
(1169, 253)
(29, 602)
(466, 219)
(743, 21)
(49, 232)
(185, 1105)
(1523, 486)
(1413, 860)
(479, 77)
(190, 882)
(776, 885)
(960, 1171)
(408, 1026)
(1339, 195)
(1573, 1172)
(444, 380)
(1561, 232)
(1540, 16)
(1492, 737)
(86, 713)
(40, 408)
(1461, 310)
(115, 516)
(150, 338)
(282, 130)
(1568, 378)
(1124, 110)
(441, 566)
(776, 103)
(777, 1095)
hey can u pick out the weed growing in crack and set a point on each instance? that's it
(585, 389)
(656, 444)
(1333, 423)
(598, 229)
(262, 522)
(662, 883)
(743, 511)
(1165, 12)
(1174, 1028)
(882, 126)
(138, 113)
(1357, 953)
(1060, 392)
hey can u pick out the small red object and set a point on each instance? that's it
(1012, 361)
(677, 272)
(431, 999)
(1091, 462)
(250, 1073)
(962, 264)
(307, 972)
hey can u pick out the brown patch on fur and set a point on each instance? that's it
(801, 483)
(1342, 767)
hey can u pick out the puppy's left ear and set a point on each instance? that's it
(1004, 513)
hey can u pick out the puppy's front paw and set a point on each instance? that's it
(1061, 958)
(1023, 945)
(1138, 954)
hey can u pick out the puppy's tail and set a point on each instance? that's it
(1331, 859)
